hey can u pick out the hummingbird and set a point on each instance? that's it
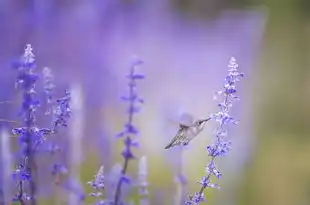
(186, 133)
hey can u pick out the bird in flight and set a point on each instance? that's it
(186, 133)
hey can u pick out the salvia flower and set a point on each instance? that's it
(29, 135)
(26, 81)
(130, 130)
(62, 111)
(222, 144)
(98, 184)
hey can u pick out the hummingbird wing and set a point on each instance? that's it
(179, 137)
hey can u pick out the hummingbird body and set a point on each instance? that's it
(186, 133)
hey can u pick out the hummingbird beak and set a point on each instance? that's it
(204, 120)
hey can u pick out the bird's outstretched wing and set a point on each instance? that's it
(179, 137)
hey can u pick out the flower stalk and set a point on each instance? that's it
(222, 144)
(134, 100)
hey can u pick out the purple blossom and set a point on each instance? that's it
(196, 199)
(62, 111)
(26, 81)
(59, 169)
(222, 144)
(130, 130)
(30, 136)
(98, 184)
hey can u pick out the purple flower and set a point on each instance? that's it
(130, 130)
(222, 144)
(62, 111)
(27, 135)
(196, 199)
(98, 184)
(59, 169)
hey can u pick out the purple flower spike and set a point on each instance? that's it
(98, 184)
(29, 133)
(62, 110)
(30, 136)
(222, 144)
(130, 130)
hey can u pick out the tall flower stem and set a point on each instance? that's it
(120, 182)
(27, 167)
(30, 163)
(126, 159)
(130, 130)
(222, 144)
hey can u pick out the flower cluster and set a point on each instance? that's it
(130, 130)
(97, 185)
(222, 144)
(33, 139)
(30, 136)
(26, 81)
(62, 111)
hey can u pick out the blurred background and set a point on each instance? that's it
(186, 46)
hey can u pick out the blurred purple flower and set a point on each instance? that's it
(134, 101)
(97, 185)
(62, 111)
(72, 185)
(26, 81)
(48, 84)
(222, 144)
(30, 136)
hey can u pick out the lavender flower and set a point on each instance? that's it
(30, 136)
(222, 144)
(98, 186)
(62, 111)
(133, 100)
(26, 80)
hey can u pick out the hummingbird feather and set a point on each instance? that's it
(179, 137)
(186, 133)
